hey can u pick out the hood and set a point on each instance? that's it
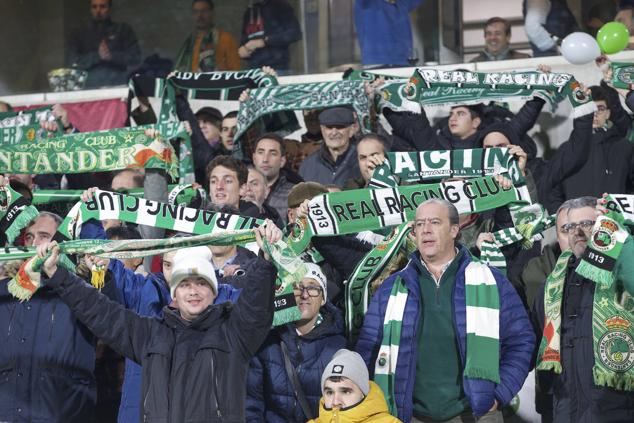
(372, 407)
(503, 128)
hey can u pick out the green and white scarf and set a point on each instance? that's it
(604, 248)
(361, 75)
(612, 329)
(290, 268)
(422, 166)
(371, 209)
(358, 293)
(17, 127)
(264, 101)
(111, 205)
(622, 75)
(429, 86)
(225, 86)
(15, 214)
(530, 221)
(95, 151)
(482, 316)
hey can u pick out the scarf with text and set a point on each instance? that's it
(96, 151)
(483, 346)
(17, 127)
(318, 95)
(370, 209)
(225, 86)
(15, 214)
(358, 286)
(111, 205)
(421, 166)
(612, 329)
(428, 86)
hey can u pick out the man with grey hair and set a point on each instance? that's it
(576, 397)
(430, 381)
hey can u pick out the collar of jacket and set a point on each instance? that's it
(332, 325)
(325, 154)
(213, 315)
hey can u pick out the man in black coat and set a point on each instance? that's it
(610, 162)
(195, 359)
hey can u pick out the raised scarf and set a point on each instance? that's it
(15, 214)
(225, 86)
(429, 86)
(111, 205)
(482, 314)
(96, 151)
(612, 329)
(317, 95)
(290, 268)
(17, 127)
(371, 209)
(357, 287)
(422, 166)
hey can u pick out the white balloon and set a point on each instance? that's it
(580, 48)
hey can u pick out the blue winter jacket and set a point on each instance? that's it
(146, 296)
(384, 31)
(270, 396)
(47, 358)
(517, 339)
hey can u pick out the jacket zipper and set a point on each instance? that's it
(50, 334)
(215, 393)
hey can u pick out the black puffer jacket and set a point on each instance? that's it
(192, 371)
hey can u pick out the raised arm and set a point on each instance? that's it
(122, 329)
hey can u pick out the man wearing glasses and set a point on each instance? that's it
(284, 382)
(610, 163)
(575, 396)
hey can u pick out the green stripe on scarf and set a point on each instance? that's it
(482, 318)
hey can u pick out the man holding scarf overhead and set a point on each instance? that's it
(447, 337)
(586, 313)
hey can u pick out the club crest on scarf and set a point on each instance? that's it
(616, 346)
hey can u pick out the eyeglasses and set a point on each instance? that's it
(585, 225)
(313, 291)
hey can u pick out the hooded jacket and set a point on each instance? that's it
(517, 339)
(270, 393)
(373, 409)
(191, 371)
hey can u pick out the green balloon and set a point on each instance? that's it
(613, 37)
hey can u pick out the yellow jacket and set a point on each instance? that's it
(373, 409)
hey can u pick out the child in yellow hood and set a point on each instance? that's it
(348, 394)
